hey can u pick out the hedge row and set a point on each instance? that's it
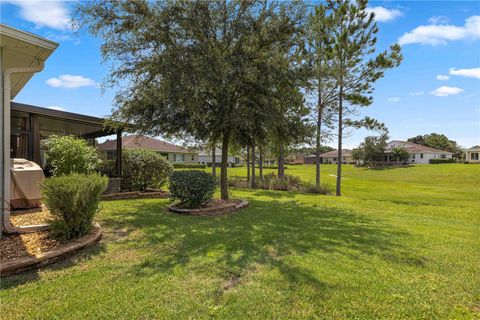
(436, 161)
(189, 166)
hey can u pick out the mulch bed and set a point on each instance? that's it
(28, 217)
(24, 245)
(212, 208)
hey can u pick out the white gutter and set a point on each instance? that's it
(6, 224)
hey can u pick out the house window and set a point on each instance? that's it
(421, 155)
(193, 157)
(178, 157)
(335, 159)
(111, 155)
(474, 156)
(443, 156)
(413, 156)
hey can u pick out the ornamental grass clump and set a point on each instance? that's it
(192, 187)
(73, 200)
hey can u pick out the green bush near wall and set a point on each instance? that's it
(142, 169)
(73, 200)
(68, 154)
(189, 166)
(192, 187)
(437, 161)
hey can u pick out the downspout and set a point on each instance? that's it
(6, 224)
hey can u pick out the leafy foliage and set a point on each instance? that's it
(438, 161)
(438, 141)
(142, 169)
(189, 166)
(68, 154)
(372, 150)
(192, 187)
(73, 200)
(399, 153)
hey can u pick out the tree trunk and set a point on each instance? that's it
(340, 134)
(248, 164)
(281, 162)
(318, 138)
(260, 162)
(214, 160)
(254, 182)
(224, 166)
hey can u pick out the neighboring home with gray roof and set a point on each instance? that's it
(418, 154)
(173, 153)
(330, 157)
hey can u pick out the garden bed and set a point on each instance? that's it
(213, 208)
(135, 195)
(24, 252)
(28, 217)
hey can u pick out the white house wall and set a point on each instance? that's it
(417, 157)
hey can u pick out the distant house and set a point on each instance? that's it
(330, 157)
(472, 155)
(173, 153)
(205, 157)
(418, 154)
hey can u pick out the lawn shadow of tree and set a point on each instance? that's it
(264, 234)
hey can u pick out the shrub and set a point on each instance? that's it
(192, 187)
(73, 201)
(312, 188)
(67, 154)
(189, 166)
(437, 161)
(271, 181)
(142, 169)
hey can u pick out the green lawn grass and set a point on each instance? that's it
(401, 243)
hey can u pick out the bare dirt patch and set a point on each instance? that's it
(212, 208)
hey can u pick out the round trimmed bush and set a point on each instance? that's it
(142, 169)
(192, 187)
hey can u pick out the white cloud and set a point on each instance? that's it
(418, 93)
(444, 91)
(51, 14)
(69, 81)
(438, 20)
(383, 14)
(57, 108)
(435, 34)
(442, 77)
(470, 73)
(394, 99)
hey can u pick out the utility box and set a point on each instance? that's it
(25, 180)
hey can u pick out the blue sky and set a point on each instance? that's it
(436, 89)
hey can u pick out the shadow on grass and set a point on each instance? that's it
(383, 168)
(264, 234)
(267, 234)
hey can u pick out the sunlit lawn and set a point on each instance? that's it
(401, 243)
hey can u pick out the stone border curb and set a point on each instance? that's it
(23, 264)
(134, 195)
(213, 211)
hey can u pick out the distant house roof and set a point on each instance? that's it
(332, 154)
(143, 142)
(474, 148)
(414, 148)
